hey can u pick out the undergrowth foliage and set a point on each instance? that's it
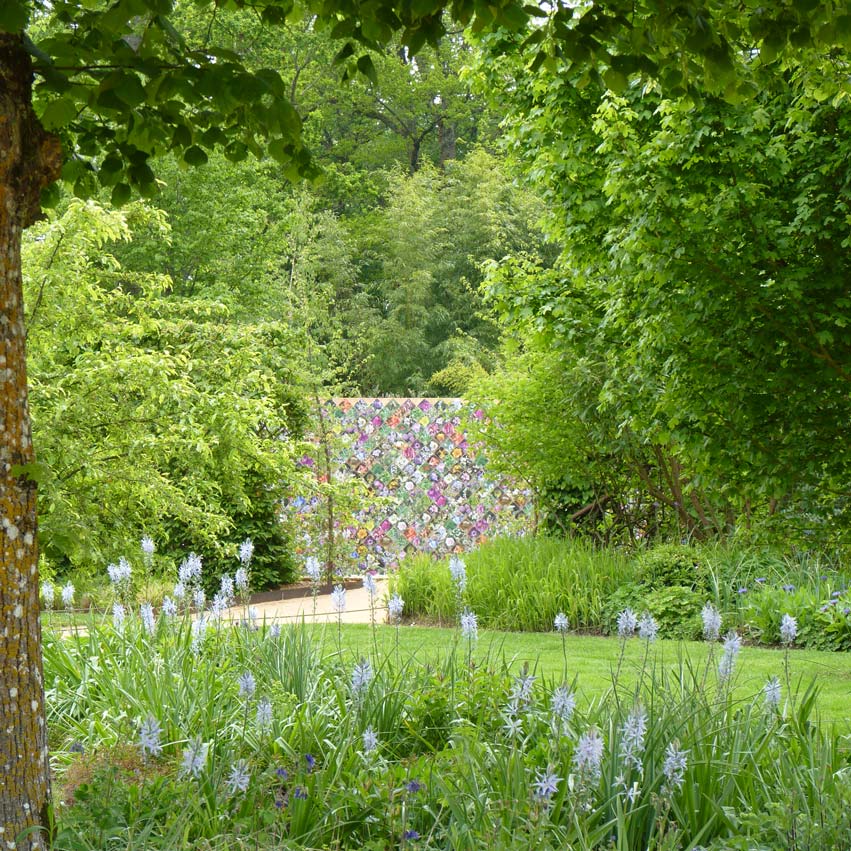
(521, 584)
(269, 739)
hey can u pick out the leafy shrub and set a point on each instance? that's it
(675, 608)
(273, 563)
(672, 564)
(832, 625)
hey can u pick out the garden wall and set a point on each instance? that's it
(427, 486)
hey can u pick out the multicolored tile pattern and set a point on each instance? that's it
(430, 486)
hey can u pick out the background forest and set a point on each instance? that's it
(648, 296)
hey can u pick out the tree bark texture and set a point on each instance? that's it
(30, 159)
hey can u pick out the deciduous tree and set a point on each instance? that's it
(117, 84)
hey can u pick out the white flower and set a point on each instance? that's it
(788, 629)
(190, 569)
(264, 714)
(199, 598)
(370, 740)
(169, 609)
(313, 569)
(561, 623)
(119, 574)
(361, 676)
(562, 704)
(179, 591)
(521, 690)
(220, 604)
(246, 551)
(146, 612)
(545, 785)
(711, 622)
(627, 623)
(458, 572)
(241, 579)
(48, 594)
(395, 608)
(194, 757)
(118, 615)
(199, 630)
(633, 732)
(247, 685)
(370, 586)
(469, 625)
(226, 587)
(338, 598)
(674, 768)
(732, 646)
(148, 546)
(67, 595)
(513, 726)
(588, 756)
(239, 777)
(771, 694)
(149, 737)
(648, 629)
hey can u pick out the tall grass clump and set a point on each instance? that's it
(519, 583)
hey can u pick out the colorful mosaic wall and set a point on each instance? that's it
(429, 485)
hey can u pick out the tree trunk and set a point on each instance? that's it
(30, 159)
(414, 154)
(448, 140)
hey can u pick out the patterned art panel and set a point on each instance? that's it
(429, 489)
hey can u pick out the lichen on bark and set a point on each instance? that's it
(30, 159)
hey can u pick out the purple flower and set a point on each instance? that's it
(411, 835)
(310, 759)
(743, 590)
(760, 580)
(300, 793)
(282, 773)
(788, 588)
(413, 786)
